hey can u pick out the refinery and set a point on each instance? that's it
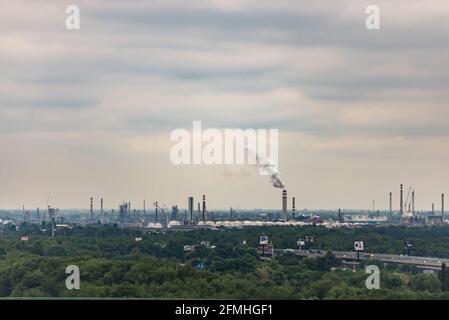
(161, 218)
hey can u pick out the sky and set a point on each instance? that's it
(89, 112)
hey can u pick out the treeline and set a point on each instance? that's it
(113, 264)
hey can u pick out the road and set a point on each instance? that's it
(387, 258)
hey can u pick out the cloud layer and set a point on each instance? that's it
(90, 111)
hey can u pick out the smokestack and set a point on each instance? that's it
(199, 210)
(340, 216)
(284, 201)
(37, 213)
(391, 204)
(433, 209)
(442, 204)
(129, 207)
(190, 205)
(91, 208)
(413, 202)
(101, 205)
(401, 211)
(155, 216)
(204, 208)
(144, 207)
(293, 207)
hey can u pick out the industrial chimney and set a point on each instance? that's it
(391, 204)
(91, 208)
(155, 214)
(284, 201)
(442, 204)
(204, 208)
(191, 210)
(401, 211)
(293, 207)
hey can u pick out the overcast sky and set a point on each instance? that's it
(89, 112)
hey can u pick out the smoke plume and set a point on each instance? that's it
(267, 167)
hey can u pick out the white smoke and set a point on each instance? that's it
(267, 167)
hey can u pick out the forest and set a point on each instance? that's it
(113, 264)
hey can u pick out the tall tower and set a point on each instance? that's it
(91, 208)
(442, 204)
(284, 203)
(190, 205)
(155, 213)
(293, 208)
(204, 208)
(401, 210)
(101, 205)
(413, 202)
(391, 204)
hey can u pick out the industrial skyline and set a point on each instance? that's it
(406, 207)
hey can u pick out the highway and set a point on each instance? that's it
(387, 258)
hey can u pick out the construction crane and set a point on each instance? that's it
(407, 204)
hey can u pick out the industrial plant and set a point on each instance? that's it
(174, 218)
